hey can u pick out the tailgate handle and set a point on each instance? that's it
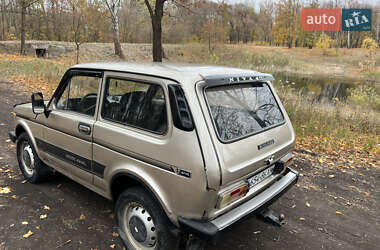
(84, 128)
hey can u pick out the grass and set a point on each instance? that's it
(352, 124)
(328, 63)
(31, 72)
(328, 126)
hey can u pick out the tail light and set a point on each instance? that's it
(232, 195)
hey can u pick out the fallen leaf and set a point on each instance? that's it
(46, 207)
(5, 190)
(335, 197)
(24, 223)
(14, 196)
(24, 181)
(43, 216)
(82, 217)
(38, 227)
(307, 204)
(65, 243)
(115, 234)
(59, 185)
(302, 219)
(112, 246)
(338, 212)
(366, 193)
(28, 234)
(320, 160)
(331, 176)
(8, 140)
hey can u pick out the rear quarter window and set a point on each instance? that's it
(241, 110)
(136, 104)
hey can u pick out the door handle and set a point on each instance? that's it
(84, 128)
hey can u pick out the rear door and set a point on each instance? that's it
(69, 127)
(248, 124)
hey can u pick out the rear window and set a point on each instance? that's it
(242, 110)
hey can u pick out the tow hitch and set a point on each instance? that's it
(268, 216)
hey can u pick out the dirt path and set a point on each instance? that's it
(316, 198)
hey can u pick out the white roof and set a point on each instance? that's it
(174, 71)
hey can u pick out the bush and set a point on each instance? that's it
(194, 39)
(364, 96)
(369, 43)
(324, 42)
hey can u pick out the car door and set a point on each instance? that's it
(69, 127)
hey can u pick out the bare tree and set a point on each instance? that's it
(114, 6)
(156, 15)
(24, 4)
(78, 9)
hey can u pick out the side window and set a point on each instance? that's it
(80, 95)
(135, 104)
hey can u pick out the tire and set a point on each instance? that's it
(32, 168)
(142, 223)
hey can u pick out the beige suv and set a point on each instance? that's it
(179, 148)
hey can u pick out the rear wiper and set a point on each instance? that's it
(245, 106)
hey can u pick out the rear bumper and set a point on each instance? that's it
(12, 136)
(210, 229)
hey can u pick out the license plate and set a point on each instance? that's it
(254, 180)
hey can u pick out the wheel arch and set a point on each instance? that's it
(22, 127)
(121, 181)
(19, 130)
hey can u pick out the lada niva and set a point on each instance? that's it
(179, 148)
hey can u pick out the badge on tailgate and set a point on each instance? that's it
(265, 144)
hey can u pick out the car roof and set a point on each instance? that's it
(174, 71)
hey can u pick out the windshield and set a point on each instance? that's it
(241, 110)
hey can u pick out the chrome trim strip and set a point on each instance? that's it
(248, 207)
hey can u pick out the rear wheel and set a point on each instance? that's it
(32, 168)
(141, 222)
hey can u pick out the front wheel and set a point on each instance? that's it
(142, 224)
(32, 168)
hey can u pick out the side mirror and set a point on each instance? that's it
(38, 104)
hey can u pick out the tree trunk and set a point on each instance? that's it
(156, 18)
(3, 21)
(157, 36)
(77, 48)
(23, 12)
(116, 37)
